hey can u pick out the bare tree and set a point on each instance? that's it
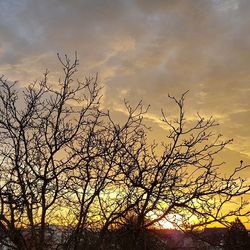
(37, 134)
(183, 184)
(63, 158)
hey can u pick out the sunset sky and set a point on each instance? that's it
(142, 49)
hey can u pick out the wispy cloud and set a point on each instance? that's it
(142, 49)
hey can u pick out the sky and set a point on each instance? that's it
(142, 50)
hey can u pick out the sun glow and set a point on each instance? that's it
(171, 221)
(166, 224)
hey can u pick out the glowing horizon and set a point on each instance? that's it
(142, 50)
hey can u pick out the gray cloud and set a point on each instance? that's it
(142, 49)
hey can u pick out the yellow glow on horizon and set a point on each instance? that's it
(166, 224)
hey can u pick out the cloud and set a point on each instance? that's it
(142, 49)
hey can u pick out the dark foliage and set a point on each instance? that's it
(237, 237)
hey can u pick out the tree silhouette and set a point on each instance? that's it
(38, 139)
(65, 161)
(237, 236)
